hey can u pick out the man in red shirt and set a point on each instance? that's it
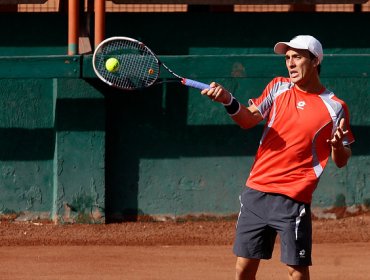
(305, 124)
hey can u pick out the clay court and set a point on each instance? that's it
(168, 250)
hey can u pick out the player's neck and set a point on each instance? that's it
(312, 86)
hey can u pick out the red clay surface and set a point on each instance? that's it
(168, 250)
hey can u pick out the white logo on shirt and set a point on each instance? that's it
(301, 104)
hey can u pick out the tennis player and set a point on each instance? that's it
(305, 124)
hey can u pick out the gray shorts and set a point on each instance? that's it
(264, 215)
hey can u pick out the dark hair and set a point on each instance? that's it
(312, 56)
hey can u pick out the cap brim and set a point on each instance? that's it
(282, 47)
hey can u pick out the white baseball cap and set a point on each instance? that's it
(301, 42)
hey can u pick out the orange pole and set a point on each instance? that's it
(99, 21)
(73, 18)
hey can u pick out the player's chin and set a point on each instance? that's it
(295, 79)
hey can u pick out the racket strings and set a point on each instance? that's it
(138, 67)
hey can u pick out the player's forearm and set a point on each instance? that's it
(247, 118)
(341, 155)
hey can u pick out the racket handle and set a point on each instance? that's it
(194, 84)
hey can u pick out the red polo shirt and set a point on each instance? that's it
(293, 150)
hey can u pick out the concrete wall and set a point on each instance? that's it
(53, 140)
(73, 149)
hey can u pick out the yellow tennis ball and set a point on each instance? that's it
(112, 64)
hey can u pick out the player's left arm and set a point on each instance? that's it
(340, 153)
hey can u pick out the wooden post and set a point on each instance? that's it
(99, 22)
(73, 19)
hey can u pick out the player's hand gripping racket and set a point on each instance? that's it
(132, 65)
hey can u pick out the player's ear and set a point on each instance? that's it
(316, 61)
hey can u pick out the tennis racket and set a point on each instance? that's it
(135, 65)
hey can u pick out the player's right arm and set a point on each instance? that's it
(245, 117)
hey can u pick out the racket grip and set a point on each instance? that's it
(194, 84)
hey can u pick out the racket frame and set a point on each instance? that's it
(182, 80)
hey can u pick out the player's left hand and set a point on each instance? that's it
(337, 140)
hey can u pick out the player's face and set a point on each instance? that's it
(301, 66)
